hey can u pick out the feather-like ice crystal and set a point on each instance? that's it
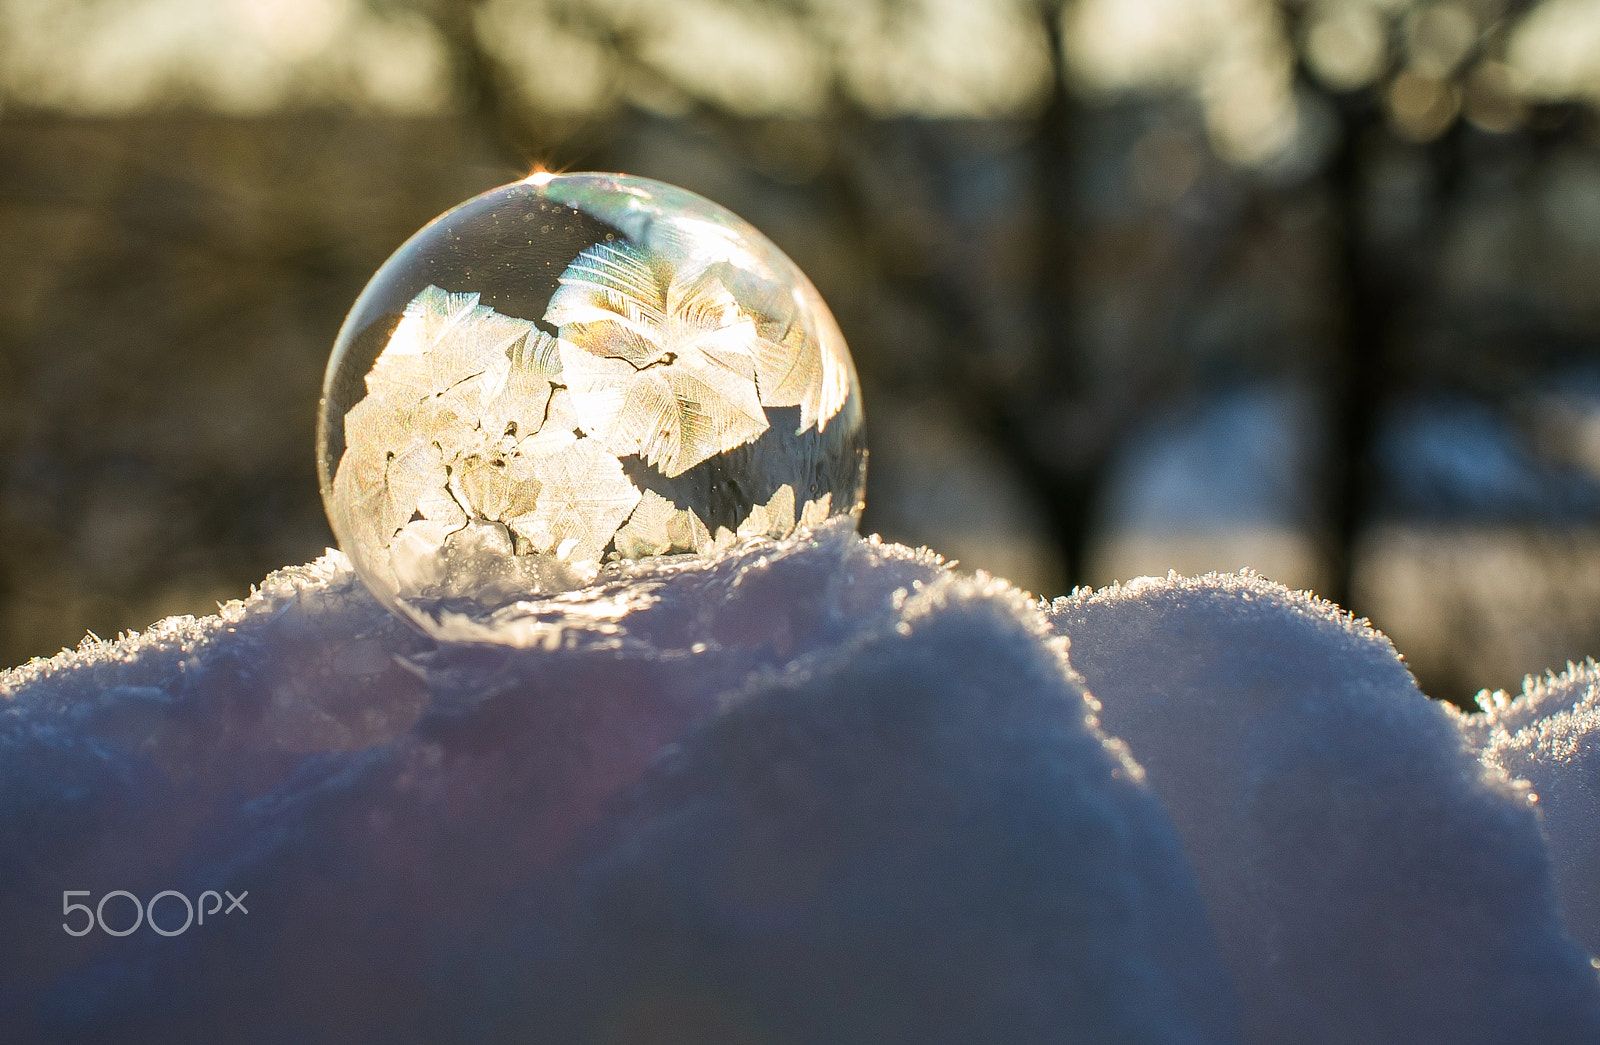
(576, 370)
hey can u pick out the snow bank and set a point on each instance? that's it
(1549, 737)
(825, 791)
(1369, 881)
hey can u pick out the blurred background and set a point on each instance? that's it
(1309, 286)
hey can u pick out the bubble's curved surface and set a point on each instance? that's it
(572, 371)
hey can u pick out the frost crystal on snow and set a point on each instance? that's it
(1548, 740)
(551, 403)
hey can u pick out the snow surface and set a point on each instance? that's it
(821, 791)
(826, 790)
(1549, 737)
(1368, 879)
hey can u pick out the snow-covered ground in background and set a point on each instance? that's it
(1482, 559)
(1222, 484)
(821, 791)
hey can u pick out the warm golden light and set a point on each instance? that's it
(1234, 55)
(540, 178)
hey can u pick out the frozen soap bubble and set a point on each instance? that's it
(572, 371)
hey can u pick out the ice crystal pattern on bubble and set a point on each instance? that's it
(481, 432)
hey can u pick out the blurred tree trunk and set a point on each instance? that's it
(1072, 486)
(1361, 368)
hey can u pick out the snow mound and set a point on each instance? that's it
(823, 790)
(1368, 879)
(1549, 738)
